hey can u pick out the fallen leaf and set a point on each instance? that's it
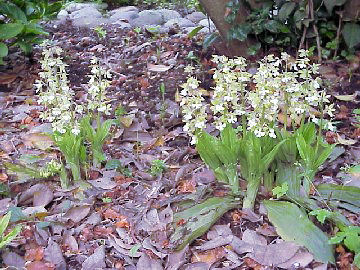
(209, 256)
(157, 68)
(34, 254)
(146, 263)
(345, 141)
(7, 78)
(111, 214)
(13, 259)
(186, 186)
(127, 120)
(3, 177)
(77, 213)
(96, 260)
(38, 140)
(346, 97)
(39, 266)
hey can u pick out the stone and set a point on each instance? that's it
(124, 9)
(127, 16)
(205, 22)
(148, 17)
(88, 12)
(62, 15)
(78, 6)
(89, 22)
(122, 25)
(168, 14)
(181, 22)
(196, 16)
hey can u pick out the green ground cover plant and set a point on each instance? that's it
(21, 25)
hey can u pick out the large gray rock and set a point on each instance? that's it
(62, 15)
(88, 12)
(124, 9)
(78, 6)
(148, 17)
(89, 22)
(128, 16)
(122, 25)
(181, 22)
(168, 14)
(196, 16)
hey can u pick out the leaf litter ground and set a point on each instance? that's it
(123, 221)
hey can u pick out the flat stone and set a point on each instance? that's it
(124, 9)
(148, 17)
(168, 14)
(196, 16)
(88, 12)
(128, 16)
(181, 22)
(62, 15)
(89, 22)
(122, 25)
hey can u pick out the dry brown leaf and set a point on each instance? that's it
(210, 256)
(34, 254)
(157, 68)
(186, 186)
(40, 266)
(111, 214)
(345, 141)
(3, 177)
(38, 140)
(7, 78)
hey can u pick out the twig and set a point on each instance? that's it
(311, 7)
(338, 32)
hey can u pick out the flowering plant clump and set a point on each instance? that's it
(253, 104)
(71, 122)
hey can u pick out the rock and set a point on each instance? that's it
(77, 6)
(205, 22)
(62, 15)
(88, 12)
(123, 10)
(181, 22)
(168, 14)
(122, 25)
(148, 17)
(128, 16)
(196, 17)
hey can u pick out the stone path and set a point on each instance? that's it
(162, 20)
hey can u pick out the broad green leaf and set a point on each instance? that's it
(25, 47)
(4, 222)
(253, 49)
(321, 214)
(10, 30)
(134, 249)
(240, 32)
(13, 12)
(195, 221)
(330, 4)
(16, 214)
(269, 157)
(324, 155)
(274, 26)
(292, 224)
(205, 146)
(10, 236)
(34, 28)
(357, 259)
(3, 50)
(210, 39)
(305, 150)
(347, 194)
(193, 32)
(285, 10)
(351, 34)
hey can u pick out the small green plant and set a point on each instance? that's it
(321, 214)
(101, 32)
(350, 236)
(4, 223)
(280, 191)
(158, 166)
(137, 30)
(107, 200)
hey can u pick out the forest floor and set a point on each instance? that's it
(122, 222)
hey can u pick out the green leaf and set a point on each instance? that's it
(10, 236)
(210, 39)
(280, 191)
(351, 34)
(134, 249)
(3, 50)
(194, 32)
(240, 32)
(274, 26)
(253, 49)
(205, 145)
(330, 4)
(321, 214)
(304, 149)
(325, 154)
(16, 214)
(25, 47)
(34, 28)
(292, 224)
(195, 221)
(357, 259)
(334, 192)
(10, 30)
(113, 164)
(13, 12)
(4, 222)
(285, 10)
